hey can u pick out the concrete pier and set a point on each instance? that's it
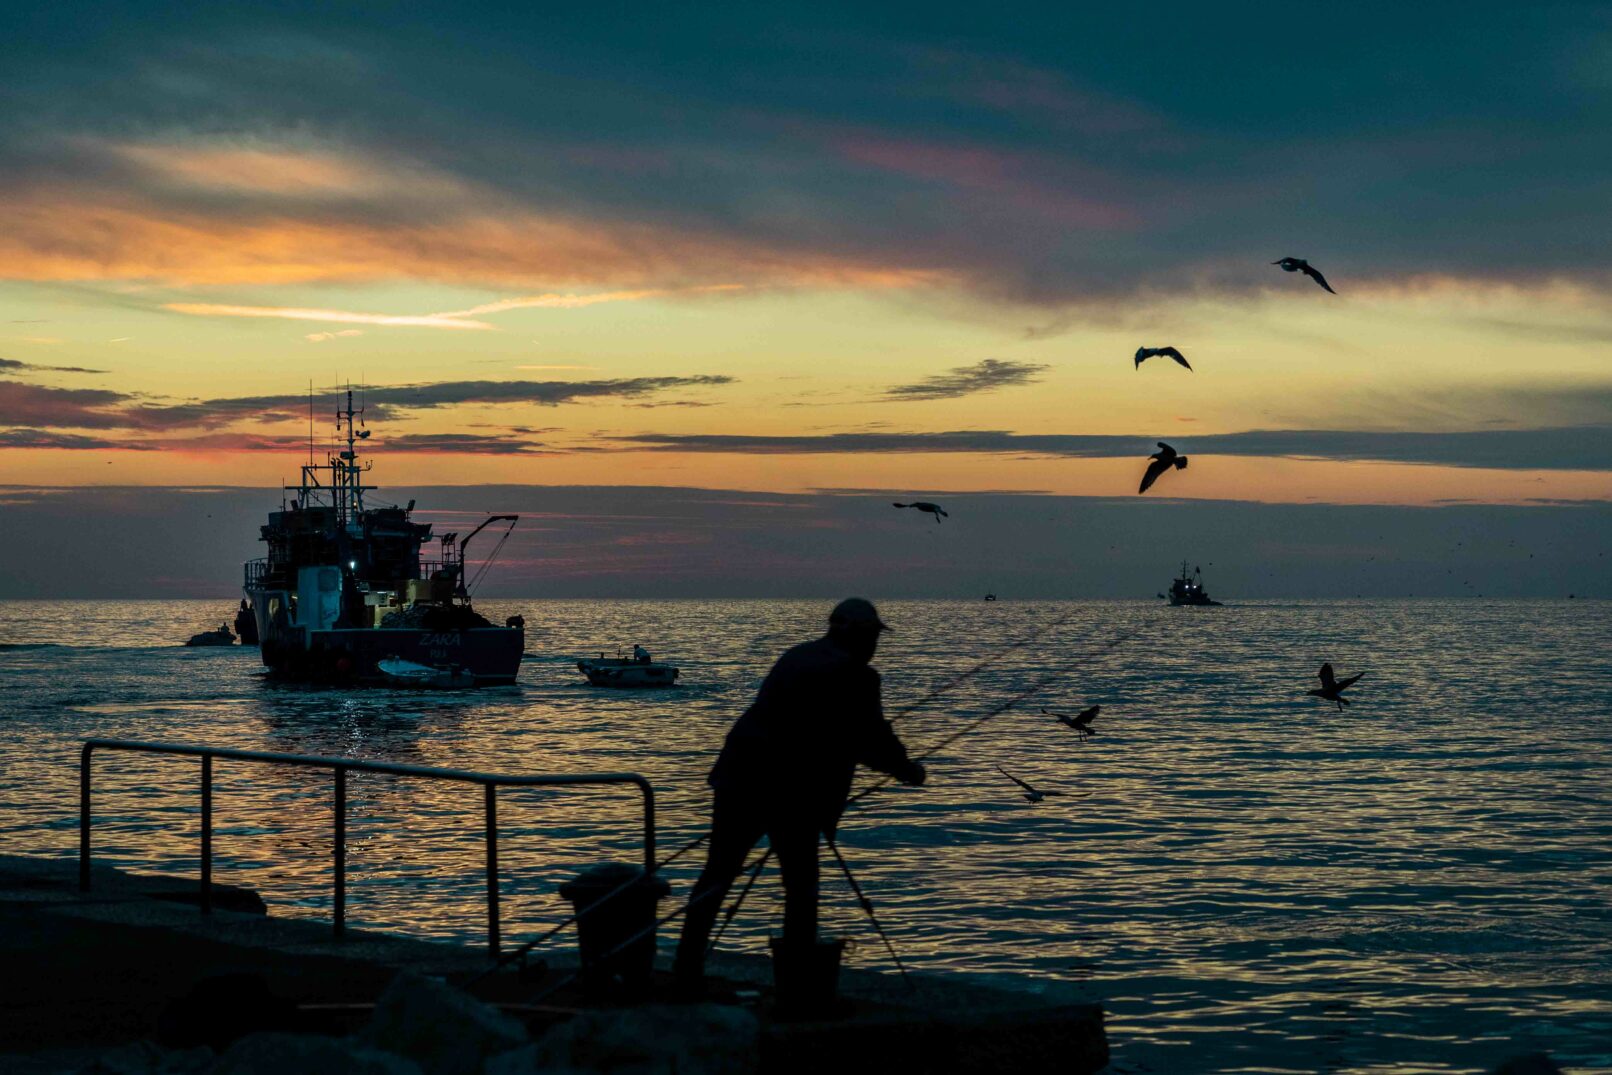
(83, 972)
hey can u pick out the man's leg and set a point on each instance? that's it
(795, 841)
(735, 827)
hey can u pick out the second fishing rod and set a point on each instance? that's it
(1036, 686)
(1033, 636)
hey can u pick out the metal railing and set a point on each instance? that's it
(490, 782)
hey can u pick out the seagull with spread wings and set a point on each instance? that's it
(1300, 265)
(1163, 459)
(1145, 353)
(1080, 722)
(1332, 687)
(923, 505)
(1031, 795)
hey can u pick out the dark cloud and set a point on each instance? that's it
(46, 438)
(1038, 161)
(36, 405)
(75, 408)
(1579, 448)
(13, 364)
(984, 376)
(460, 444)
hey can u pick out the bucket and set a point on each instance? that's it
(628, 913)
(806, 977)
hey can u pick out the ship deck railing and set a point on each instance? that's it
(255, 571)
(340, 767)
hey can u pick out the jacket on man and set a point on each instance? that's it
(795, 750)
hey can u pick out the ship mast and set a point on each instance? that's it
(346, 486)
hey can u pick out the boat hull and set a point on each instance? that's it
(608, 672)
(491, 655)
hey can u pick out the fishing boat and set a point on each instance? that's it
(220, 637)
(345, 585)
(635, 671)
(1188, 589)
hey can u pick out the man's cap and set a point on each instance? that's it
(856, 612)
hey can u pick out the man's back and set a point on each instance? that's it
(817, 714)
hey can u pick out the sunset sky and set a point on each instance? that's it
(906, 250)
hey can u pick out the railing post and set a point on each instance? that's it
(84, 818)
(491, 792)
(207, 835)
(649, 826)
(339, 913)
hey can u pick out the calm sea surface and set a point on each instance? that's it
(1253, 881)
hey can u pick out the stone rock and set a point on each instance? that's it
(274, 1053)
(703, 1039)
(148, 1058)
(1531, 1064)
(444, 1030)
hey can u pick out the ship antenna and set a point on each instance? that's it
(310, 421)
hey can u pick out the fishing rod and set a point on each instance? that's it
(867, 905)
(525, 949)
(864, 793)
(880, 784)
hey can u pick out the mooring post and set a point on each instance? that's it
(84, 818)
(339, 913)
(207, 835)
(491, 792)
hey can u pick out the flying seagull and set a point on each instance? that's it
(1031, 795)
(1145, 353)
(1300, 265)
(923, 505)
(1163, 460)
(1080, 722)
(1332, 687)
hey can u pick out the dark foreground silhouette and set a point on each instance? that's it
(785, 772)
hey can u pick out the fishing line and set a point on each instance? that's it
(525, 949)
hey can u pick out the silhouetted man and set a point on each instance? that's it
(786, 768)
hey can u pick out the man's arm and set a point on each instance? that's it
(878, 746)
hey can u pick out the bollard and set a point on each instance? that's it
(623, 916)
(806, 977)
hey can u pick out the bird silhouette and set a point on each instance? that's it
(1080, 722)
(923, 505)
(1031, 795)
(1300, 265)
(1145, 353)
(1163, 460)
(1332, 687)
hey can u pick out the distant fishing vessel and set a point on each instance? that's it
(1188, 589)
(344, 586)
(639, 670)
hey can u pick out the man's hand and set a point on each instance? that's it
(913, 773)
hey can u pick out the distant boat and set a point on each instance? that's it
(990, 597)
(1188, 589)
(635, 671)
(401, 673)
(220, 637)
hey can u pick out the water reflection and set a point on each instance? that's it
(1253, 883)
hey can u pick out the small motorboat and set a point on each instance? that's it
(639, 670)
(220, 637)
(400, 673)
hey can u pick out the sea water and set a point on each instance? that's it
(1245, 877)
